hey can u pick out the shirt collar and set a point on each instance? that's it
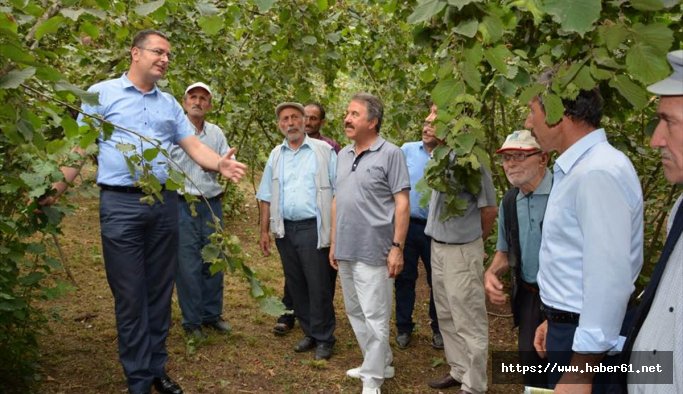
(127, 84)
(306, 143)
(571, 156)
(377, 145)
(542, 188)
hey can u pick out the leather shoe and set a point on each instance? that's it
(444, 382)
(219, 325)
(166, 385)
(403, 340)
(305, 344)
(323, 351)
(437, 340)
(195, 332)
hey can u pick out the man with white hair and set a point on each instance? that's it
(658, 326)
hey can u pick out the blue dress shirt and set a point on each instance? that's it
(154, 114)
(416, 159)
(298, 169)
(592, 246)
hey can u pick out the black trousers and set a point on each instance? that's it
(140, 247)
(307, 277)
(530, 317)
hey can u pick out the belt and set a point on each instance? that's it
(125, 189)
(530, 287)
(418, 221)
(302, 221)
(218, 196)
(559, 316)
(449, 243)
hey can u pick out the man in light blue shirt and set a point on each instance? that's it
(592, 242)
(295, 197)
(140, 240)
(418, 244)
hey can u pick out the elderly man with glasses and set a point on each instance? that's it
(519, 240)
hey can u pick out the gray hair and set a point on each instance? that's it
(374, 106)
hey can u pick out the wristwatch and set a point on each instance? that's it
(396, 244)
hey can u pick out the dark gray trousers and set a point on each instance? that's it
(307, 275)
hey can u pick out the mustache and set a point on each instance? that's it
(348, 125)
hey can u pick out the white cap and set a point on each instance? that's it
(672, 86)
(199, 85)
(289, 104)
(520, 140)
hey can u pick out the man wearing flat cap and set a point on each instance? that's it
(520, 217)
(200, 294)
(295, 197)
(658, 326)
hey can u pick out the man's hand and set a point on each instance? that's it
(494, 288)
(264, 243)
(395, 261)
(539, 339)
(333, 262)
(231, 168)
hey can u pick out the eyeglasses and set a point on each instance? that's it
(518, 157)
(159, 52)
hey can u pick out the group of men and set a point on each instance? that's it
(571, 239)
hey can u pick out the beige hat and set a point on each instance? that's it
(199, 85)
(288, 104)
(520, 140)
(672, 86)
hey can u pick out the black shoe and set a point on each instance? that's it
(165, 385)
(444, 382)
(305, 344)
(194, 332)
(403, 340)
(323, 351)
(219, 325)
(437, 340)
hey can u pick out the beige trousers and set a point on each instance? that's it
(458, 285)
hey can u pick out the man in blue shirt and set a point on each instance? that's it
(140, 240)
(520, 218)
(592, 241)
(418, 244)
(295, 198)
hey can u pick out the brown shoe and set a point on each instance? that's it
(444, 382)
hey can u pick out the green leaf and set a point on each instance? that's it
(150, 154)
(504, 86)
(425, 10)
(70, 127)
(90, 98)
(31, 279)
(613, 35)
(7, 23)
(633, 93)
(49, 26)
(90, 29)
(14, 78)
(647, 5)
(491, 28)
(264, 5)
(599, 73)
(88, 138)
(310, 40)
(575, 16)
(461, 3)
(71, 13)
(207, 8)
(584, 80)
(322, 5)
(655, 35)
(645, 64)
(553, 108)
(496, 57)
(333, 37)
(210, 252)
(125, 147)
(272, 306)
(147, 8)
(531, 92)
(467, 28)
(471, 75)
(16, 53)
(444, 92)
(211, 25)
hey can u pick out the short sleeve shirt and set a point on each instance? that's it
(365, 204)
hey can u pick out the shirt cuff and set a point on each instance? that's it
(593, 340)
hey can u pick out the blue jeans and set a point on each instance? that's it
(139, 247)
(418, 245)
(200, 294)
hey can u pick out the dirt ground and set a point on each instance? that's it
(80, 356)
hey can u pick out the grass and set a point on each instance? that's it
(80, 356)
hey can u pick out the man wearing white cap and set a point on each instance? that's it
(200, 294)
(520, 218)
(295, 198)
(658, 327)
